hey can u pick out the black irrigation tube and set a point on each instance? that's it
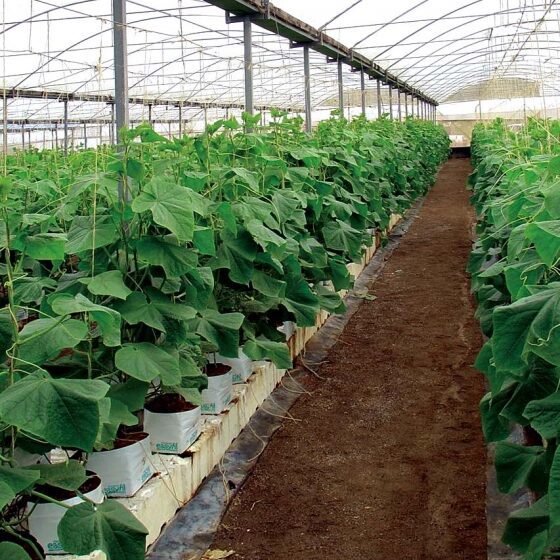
(190, 534)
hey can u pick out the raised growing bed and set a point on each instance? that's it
(178, 477)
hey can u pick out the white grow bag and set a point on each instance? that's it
(241, 367)
(218, 394)
(172, 432)
(124, 470)
(43, 521)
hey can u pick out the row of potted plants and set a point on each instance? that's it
(515, 277)
(137, 283)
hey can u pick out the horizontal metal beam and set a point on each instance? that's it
(110, 100)
(275, 20)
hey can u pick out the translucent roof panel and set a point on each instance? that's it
(183, 50)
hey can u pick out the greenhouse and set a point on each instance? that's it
(280, 280)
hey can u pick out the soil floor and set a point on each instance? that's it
(385, 459)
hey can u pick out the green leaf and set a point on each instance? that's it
(110, 283)
(263, 349)
(88, 233)
(525, 524)
(301, 301)
(221, 330)
(43, 339)
(136, 309)
(13, 551)
(173, 258)
(554, 490)
(42, 246)
(62, 412)
(544, 415)
(170, 204)
(268, 285)
(203, 240)
(109, 527)
(132, 393)
(248, 177)
(145, 361)
(519, 466)
(514, 333)
(238, 255)
(69, 475)
(108, 320)
(13, 481)
(546, 237)
(339, 236)
(112, 414)
(263, 235)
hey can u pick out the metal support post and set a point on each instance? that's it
(150, 113)
(405, 104)
(363, 91)
(120, 52)
(112, 127)
(340, 89)
(307, 87)
(23, 137)
(180, 120)
(85, 136)
(29, 138)
(66, 127)
(248, 63)
(390, 101)
(56, 136)
(5, 126)
(399, 110)
(379, 107)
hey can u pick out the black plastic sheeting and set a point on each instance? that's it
(190, 534)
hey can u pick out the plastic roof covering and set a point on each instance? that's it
(184, 50)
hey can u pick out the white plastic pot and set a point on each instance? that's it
(241, 367)
(218, 394)
(45, 517)
(125, 470)
(172, 432)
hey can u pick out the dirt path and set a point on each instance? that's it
(386, 461)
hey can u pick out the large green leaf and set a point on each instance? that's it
(136, 309)
(110, 283)
(301, 301)
(237, 254)
(13, 551)
(43, 339)
(109, 527)
(69, 475)
(173, 258)
(526, 326)
(62, 412)
(221, 330)
(108, 320)
(525, 524)
(42, 246)
(88, 233)
(554, 490)
(145, 361)
(13, 481)
(171, 206)
(519, 466)
(340, 236)
(263, 349)
(546, 237)
(544, 415)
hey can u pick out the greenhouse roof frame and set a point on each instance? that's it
(265, 14)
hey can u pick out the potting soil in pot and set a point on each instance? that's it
(220, 389)
(125, 468)
(241, 367)
(173, 424)
(45, 517)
